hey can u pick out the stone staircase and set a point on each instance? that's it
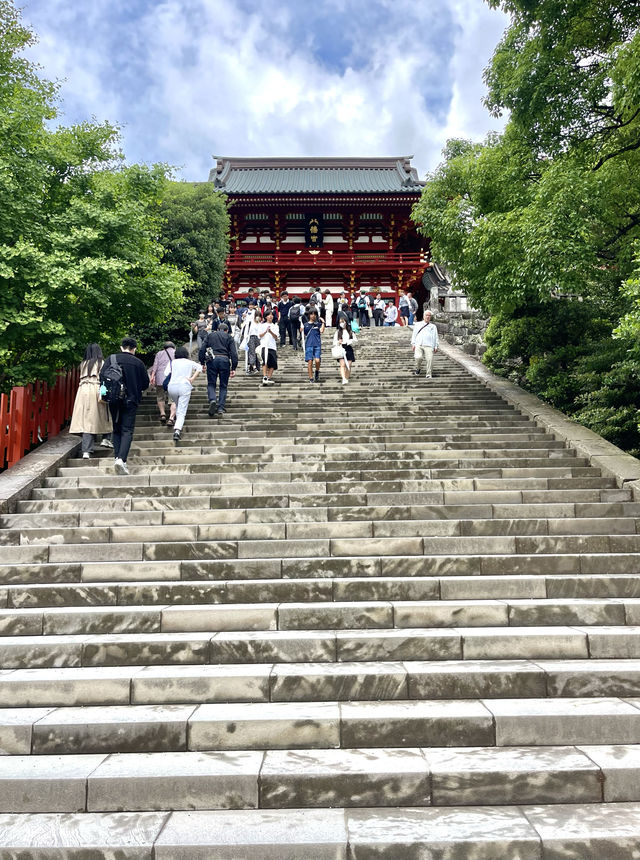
(394, 619)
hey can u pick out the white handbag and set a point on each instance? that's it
(337, 351)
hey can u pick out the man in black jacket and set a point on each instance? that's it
(284, 306)
(135, 380)
(218, 354)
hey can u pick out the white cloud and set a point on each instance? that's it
(193, 78)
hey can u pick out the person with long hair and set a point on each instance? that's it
(183, 375)
(91, 416)
(268, 349)
(344, 340)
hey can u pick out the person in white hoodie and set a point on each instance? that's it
(424, 343)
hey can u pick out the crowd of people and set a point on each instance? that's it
(111, 389)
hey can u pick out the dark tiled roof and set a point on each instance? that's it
(315, 176)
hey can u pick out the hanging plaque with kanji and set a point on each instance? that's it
(313, 230)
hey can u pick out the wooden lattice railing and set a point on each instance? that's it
(32, 413)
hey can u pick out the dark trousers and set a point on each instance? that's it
(285, 329)
(218, 370)
(124, 421)
(364, 317)
(378, 315)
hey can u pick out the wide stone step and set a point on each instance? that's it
(319, 548)
(324, 614)
(325, 778)
(325, 646)
(530, 832)
(281, 530)
(320, 725)
(317, 682)
(196, 510)
(355, 588)
(138, 570)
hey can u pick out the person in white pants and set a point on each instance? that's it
(424, 343)
(328, 308)
(183, 374)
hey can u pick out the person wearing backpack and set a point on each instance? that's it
(294, 322)
(124, 377)
(219, 357)
(363, 303)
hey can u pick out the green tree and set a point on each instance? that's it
(79, 256)
(194, 231)
(195, 234)
(551, 207)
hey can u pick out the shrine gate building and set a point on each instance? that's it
(302, 223)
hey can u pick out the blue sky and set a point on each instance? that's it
(190, 79)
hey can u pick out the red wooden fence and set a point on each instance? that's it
(32, 413)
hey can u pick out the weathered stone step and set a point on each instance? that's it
(352, 588)
(280, 779)
(319, 548)
(540, 832)
(196, 509)
(48, 517)
(308, 682)
(311, 725)
(498, 469)
(324, 646)
(136, 571)
(448, 491)
(318, 615)
(281, 530)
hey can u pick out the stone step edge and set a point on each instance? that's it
(472, 722)
(516, 527)
(530, 832)
(433, 777)
(376, 613)
(235, 683)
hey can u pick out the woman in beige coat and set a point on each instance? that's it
(91, 416)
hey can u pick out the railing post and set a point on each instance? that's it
(18, 422)
(32, 413)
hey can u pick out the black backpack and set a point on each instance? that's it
(112, 388)
(294, 313)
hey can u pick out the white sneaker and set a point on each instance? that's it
(106, 443)
(345, 381)
(121, 467)
(86, 456)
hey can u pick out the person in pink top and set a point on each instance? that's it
(159, 370)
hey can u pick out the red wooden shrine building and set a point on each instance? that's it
(341, 223)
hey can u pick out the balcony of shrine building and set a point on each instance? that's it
(341, 223)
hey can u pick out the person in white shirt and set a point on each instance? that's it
(391, 314)
(253, 323)
(343, 342)
(424, 343)
(183, 374)
(328, 307)
(379, 307)
(268, 332)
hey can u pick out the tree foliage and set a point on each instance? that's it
(80, 259)
(551, 207)
(195, 235)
